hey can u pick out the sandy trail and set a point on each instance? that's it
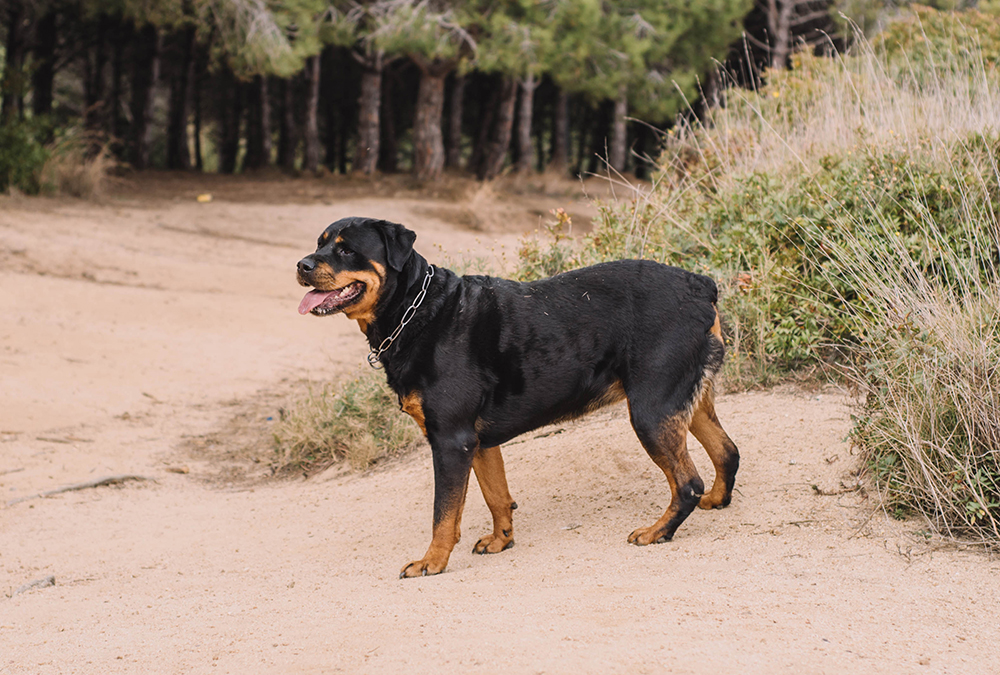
(130, 328)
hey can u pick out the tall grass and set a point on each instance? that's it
(77, 164)
(847, 209)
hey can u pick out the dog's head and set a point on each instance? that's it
(348, 271)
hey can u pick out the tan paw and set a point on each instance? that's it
(493, 543)
(422, 568)
(647, 535)
(714, 501)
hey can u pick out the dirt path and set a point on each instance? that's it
(128, 330)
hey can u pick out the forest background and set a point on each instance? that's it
(480, 86)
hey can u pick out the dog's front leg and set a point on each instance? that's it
(452, 465)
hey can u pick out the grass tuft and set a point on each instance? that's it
(358, 420)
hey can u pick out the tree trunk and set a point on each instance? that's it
(367, 149)
(45, 62)
(312, 111)
(196, 86)
(617, 153)
(454, 144)
(147, 72)
(487, 113)
(230, 116)
(428, 141)
(12, 85)
(388, 149)
(539, 148)
(288, 140)
(779, 23)
(600, 137)
(586, 130)
(500, 143)
(93, 82)
(116, 121)
(528, 85)
(560, 133)
(178, 155)
(259, 125)
(267, 141)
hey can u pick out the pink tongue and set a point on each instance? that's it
(313, 300)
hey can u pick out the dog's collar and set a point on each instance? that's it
(375, 354)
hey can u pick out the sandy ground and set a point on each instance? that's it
(133, 330)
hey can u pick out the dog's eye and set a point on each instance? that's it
(344, 251)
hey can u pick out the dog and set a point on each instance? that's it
(479, 360)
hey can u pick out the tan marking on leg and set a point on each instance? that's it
(488, 465)
(671, 455)
(413, 405)
(443, 541)
(706, 428)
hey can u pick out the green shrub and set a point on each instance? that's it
(358, 420)
(848, 212)
(22, 157)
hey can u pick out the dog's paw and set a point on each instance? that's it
(421, 568)
(493, 543)
(647, 535)
(711, 501)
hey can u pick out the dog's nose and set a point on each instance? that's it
(307, 265)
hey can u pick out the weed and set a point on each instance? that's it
(358, 421)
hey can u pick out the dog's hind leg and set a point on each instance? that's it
(720, 448)
(488, 465)
(666, 442)
(452, 466)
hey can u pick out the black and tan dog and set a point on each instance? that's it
(477, 360)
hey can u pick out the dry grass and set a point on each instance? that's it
(78, 166)
(358, 421)
(928, 366)
(903, 257)
(824, 106)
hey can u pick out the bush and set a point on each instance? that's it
(928, 363)
(77, 164)
(358, 421)
(847, 210)
(21, 157)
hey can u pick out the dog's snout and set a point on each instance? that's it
(306, 265)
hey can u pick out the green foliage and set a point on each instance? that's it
(863, 239)
(358, 421)
(426, 31)
(22, 156)
(653, 49)
(263, 37)
(929, 38)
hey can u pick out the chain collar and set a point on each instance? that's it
(375, 354)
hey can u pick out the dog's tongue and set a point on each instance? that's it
(313, 300)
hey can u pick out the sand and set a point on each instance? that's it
(138, 331)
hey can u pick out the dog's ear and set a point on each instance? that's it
(398, 243)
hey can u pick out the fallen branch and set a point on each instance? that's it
(845, 489)
(37, 583)
(7, 471)
(100, 482)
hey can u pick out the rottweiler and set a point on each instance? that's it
(478, 360)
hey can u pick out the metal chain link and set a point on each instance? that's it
(375, 354)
